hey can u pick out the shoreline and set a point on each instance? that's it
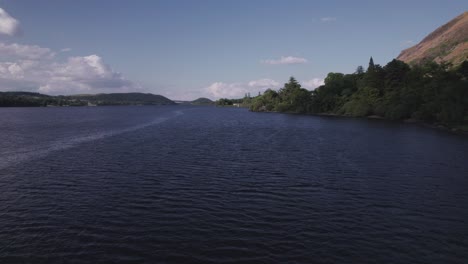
(441, 127)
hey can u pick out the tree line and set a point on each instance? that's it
(21, 99)
(431, 92)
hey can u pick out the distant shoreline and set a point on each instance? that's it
(29, 99)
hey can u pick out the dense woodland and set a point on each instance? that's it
(433, 93)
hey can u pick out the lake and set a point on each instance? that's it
(185, 184)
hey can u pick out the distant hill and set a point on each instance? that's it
(202, 101)
(448, 43)
(18, 99)
(124, 99)
(24, 94)
(37, 99)
(199, 101)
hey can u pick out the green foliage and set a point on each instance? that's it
(396, 74)
(290, 98)
(430, 92)
(357, 108)
(269, 101)
(247, 101)
(202, 101)
(371, 65)
(224, 102)
(124, 99)
(462, 70)
(36, 99)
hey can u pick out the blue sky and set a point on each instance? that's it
(187, 49)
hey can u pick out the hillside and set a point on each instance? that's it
(18, 99)
(124, 99)
(24, 94)
(202, 101)
(448, 43)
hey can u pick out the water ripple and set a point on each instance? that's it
(226, 185)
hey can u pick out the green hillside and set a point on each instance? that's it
(18, 99)
(202, 101)
(124, 99)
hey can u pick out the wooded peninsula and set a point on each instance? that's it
(434, 93)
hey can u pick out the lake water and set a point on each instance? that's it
(183, 184)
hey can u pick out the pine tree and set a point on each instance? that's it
(374, 76)
(371, 65)
(290, 88)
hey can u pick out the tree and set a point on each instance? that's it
(430, 92)
(289, 88)
(371, 65)
(359, 70)
(463, 70)
(374, 76)
(395, 74)
(224, 101)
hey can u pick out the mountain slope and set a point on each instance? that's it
(448, 43)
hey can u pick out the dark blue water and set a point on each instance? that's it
(180, 184)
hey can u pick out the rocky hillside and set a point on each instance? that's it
(448, 43)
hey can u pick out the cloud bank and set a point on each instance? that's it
(8, 25)
(285, 60)
(33, 68)
(18, 51)
(38, 69)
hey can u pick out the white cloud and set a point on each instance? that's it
(19, 51)
(8, 25)
(229, 90)
(262, 83)
(85, 74)
(328, 19)
(33, 68)
(238, 89)
(285, 60)
(16, 70)
(312, 84)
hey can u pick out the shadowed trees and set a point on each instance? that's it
(431, 92)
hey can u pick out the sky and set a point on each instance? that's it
(185, 49)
